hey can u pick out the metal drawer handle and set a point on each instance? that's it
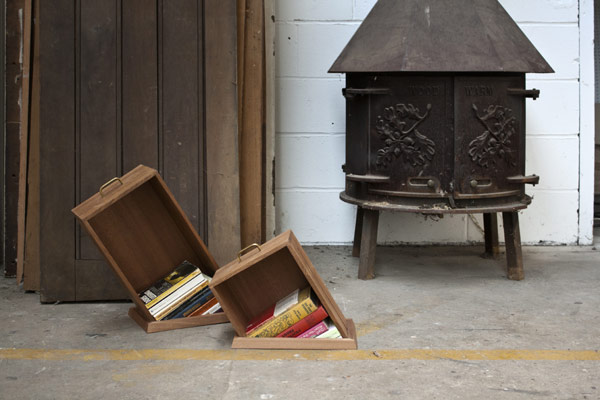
(107, 184)
(242, 251)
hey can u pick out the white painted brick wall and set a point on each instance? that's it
(310, 126)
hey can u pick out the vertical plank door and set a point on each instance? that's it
(126, 83)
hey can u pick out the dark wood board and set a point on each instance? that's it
(12, 142)
(182, 113)
(222, 166)
(57, 141)
(97, 121)
(31, 280)
(24, 136)
(3, 122)
(139, 86)
(252, 132)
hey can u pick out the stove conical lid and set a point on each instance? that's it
(439, 36)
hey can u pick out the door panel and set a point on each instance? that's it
(489, 132)
(409, 131)
(123, 84)
(96, 122)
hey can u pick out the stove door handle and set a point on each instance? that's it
(533, 93)
(530, 179)
(351, 92)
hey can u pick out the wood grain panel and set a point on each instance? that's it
(221, 130)
(182, 117)
(57, 161)
(140, 83)
(32, 240)
(11, 141)
(252, 130)
(97, 125)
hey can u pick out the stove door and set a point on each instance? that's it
(490, 136)
(410, 131)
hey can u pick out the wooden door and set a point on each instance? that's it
(126, 83)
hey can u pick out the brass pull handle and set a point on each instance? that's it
(107, 184)
(242, 251)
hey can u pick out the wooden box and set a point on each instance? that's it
(255, 281)
(144, 234)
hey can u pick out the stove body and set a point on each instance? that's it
(436, 143)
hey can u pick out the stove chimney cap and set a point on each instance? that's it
(439, 36)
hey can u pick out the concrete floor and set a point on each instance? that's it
(436, 323)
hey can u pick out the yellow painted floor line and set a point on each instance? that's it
(299, 355)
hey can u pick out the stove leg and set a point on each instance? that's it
(357, 232)
(512, 237)
(490, 225)
(368, 244)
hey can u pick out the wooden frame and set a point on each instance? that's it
(143, 234)
(250, 284)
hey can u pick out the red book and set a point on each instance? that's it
(305, 323)
(273, 311)
(267, 315)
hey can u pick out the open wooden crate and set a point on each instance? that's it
(254, 282)
(144, 234)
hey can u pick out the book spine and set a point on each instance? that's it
(196, 301)
(196, 282)
(166, 311)
(305, 323)
(285, 320)
(261, 319)
(332, 333)
(321, 327)
(172, 289)
(204, 307)
(212, 310)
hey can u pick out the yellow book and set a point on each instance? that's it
(301, 303)
(173, 288)
(160, 315)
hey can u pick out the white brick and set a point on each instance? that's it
(362, 8)
(556, 111)
(310, 105)
(559, 45)
(542, 10)
(551, 218)
(310, 161)
(286, 50)
(412, 228)
(315, 217)
(313, 10)
(319, 45)
(556, 161)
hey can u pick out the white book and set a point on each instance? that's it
(212, 310)
(332, 332)
(177, 295)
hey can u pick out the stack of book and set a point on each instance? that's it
(182, 293)
(297, 315)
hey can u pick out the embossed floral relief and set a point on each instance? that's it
(495, 142)
(398, 129)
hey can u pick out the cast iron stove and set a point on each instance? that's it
(435, 118)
